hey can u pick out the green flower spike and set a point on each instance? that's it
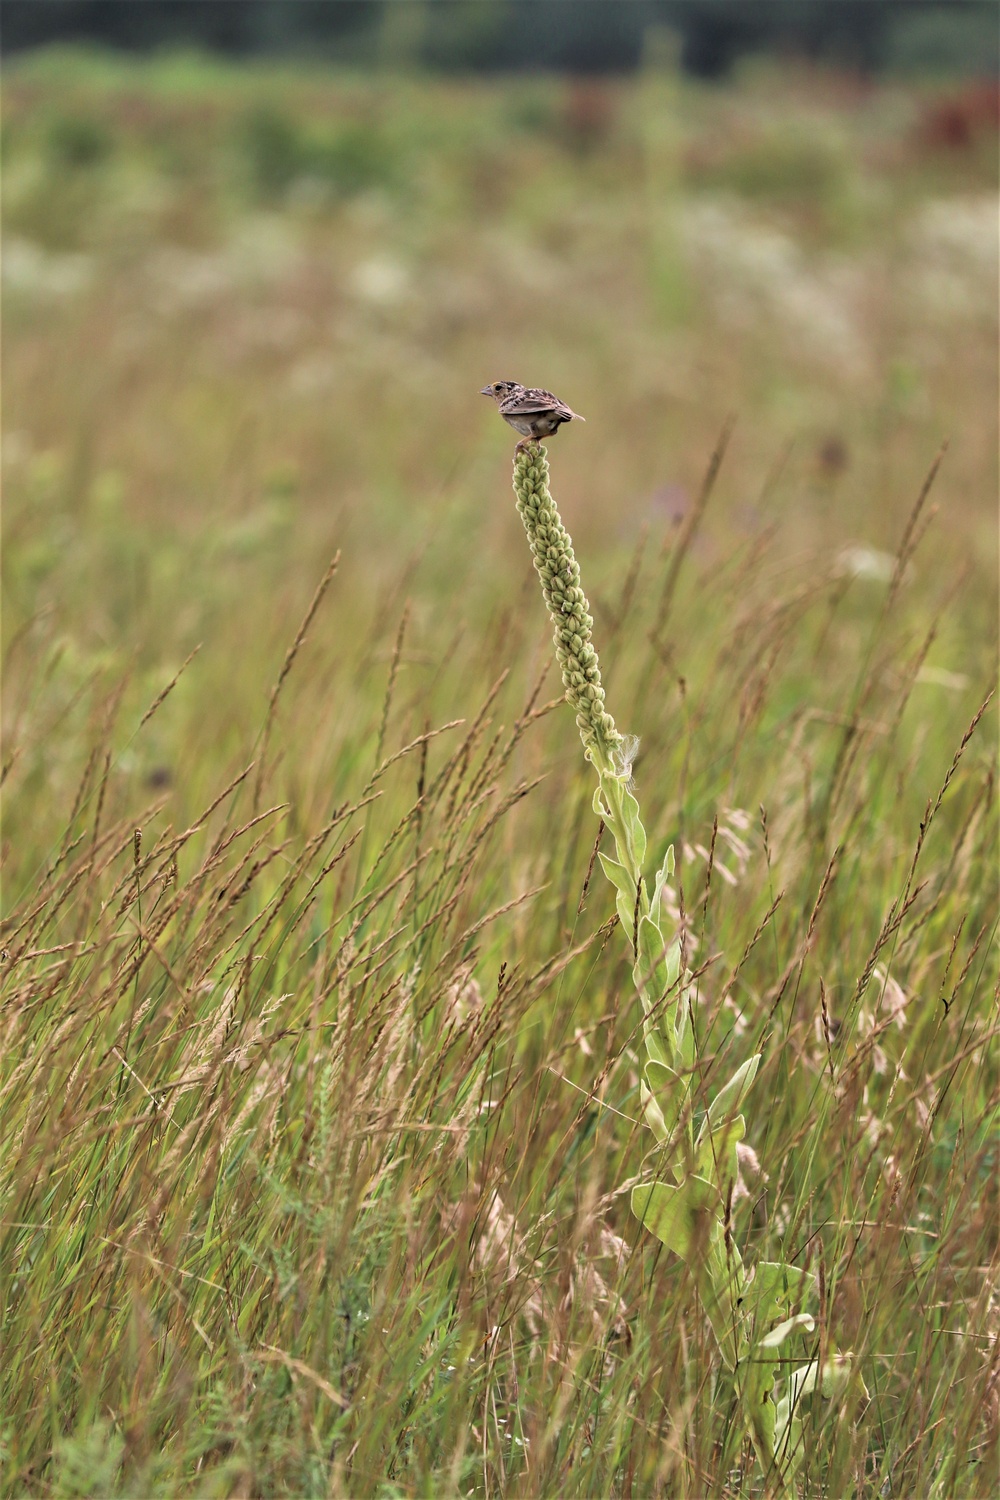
(559, 571)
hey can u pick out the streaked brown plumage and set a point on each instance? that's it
(533, 413)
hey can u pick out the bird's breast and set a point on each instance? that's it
(526, 426)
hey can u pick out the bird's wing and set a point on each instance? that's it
(548, 402)
(532, 401)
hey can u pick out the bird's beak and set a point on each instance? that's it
(486, 391)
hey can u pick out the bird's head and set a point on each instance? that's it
(500, 389)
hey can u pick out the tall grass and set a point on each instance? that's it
(320, 1071)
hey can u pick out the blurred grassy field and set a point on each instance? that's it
(318, 1087)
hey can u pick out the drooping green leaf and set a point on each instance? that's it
(658, 962)
(634, 831)
(649, 972)
(722, 1286)
(666, 869)
(625, 892)
(663, 874)
(772, 1288)
(652, 944)
(763, 1418)
(716, 1150)
(731, 1095)
(775, 1287)
(683, 1035)
(653, 1113)
(831, 1380)
(652, 1036)
(618, 875)
(777, 1336)
(787, 1444)
(669, 1090)
(674, 1214)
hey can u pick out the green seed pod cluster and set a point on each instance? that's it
(559, 572)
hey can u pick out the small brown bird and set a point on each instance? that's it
(533, 413)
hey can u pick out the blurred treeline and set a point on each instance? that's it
(584, 36)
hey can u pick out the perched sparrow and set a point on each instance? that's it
(533, 413)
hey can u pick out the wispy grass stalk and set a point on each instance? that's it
(753, 1312)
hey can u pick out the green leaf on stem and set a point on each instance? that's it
(716, 1150)
(777, 1336)
(619, 876)
(668, 1090)
(653, 1113)
(663, 874)
(656, 1046)
(625, 888)
(775, 1287)
(683, 1035)
(658, 962)
(731, 1095)
(675, 1215)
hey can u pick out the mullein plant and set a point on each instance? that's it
(754, 1311)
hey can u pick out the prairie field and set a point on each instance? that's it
(319, 1072)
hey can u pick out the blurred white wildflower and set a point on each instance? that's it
(859, 561)
(36, 272)
(748, 1166)
(738, 846)
(955, 248)
(759, 274)
(893, 999)
(262, 251)
(380, 280)
(735, 821)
